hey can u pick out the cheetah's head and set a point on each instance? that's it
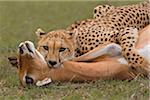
(56, 46)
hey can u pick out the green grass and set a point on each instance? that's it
(18, 22)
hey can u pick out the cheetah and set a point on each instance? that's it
(120, 27)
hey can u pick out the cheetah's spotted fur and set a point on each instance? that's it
(118, 25)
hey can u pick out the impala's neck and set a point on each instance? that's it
(61, 74)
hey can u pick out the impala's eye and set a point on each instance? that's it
(62, 49)
(29, 80)
(45, 47)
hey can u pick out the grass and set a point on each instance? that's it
(19, 20)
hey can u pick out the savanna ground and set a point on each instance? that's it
(18, 22)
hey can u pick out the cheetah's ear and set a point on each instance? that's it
(40, 33)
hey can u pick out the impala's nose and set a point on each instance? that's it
(52, 62)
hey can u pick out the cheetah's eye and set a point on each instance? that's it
(45, 47)
(62, 49)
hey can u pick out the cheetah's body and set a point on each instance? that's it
(119, 26)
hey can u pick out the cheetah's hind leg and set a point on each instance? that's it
(127, 39)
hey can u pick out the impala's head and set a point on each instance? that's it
(56, 46)
(31, 65)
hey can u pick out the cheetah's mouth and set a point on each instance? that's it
(55, 66)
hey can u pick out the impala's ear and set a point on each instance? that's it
(40, 33)
(13, 61)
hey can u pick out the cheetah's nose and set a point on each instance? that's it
(52, 62)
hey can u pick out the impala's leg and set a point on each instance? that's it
(111, 50)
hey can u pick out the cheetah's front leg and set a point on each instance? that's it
(127, 39)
